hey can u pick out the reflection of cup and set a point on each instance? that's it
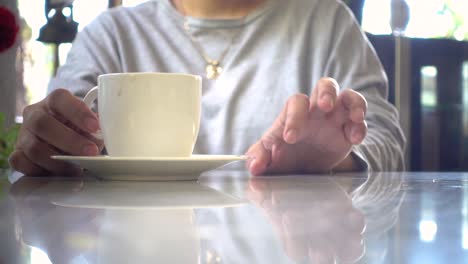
(148, 114)
(151, 236)
(114, 222)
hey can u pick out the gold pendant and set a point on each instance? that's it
(213, 70)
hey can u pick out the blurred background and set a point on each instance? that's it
(423, 45)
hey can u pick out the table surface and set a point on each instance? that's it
(230, 217)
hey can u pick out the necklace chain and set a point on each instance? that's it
(213, 67)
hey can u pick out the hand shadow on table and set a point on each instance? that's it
(62, 233)
(324, 221)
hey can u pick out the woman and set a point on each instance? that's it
(270, 66)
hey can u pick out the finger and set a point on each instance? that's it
(355, 103)
(297, 110)
(65, 104)
(40, 153)
(325, 94)
(19, 162)
(50, 130)
(96, 138)
(355, 132)
(260, 158)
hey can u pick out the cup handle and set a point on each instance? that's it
(91, 96)
(89, 99)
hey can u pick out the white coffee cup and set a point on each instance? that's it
(148, 114)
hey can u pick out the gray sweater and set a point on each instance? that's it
(281, 49)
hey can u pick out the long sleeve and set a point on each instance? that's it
(354, 64)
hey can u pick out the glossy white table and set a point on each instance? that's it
(229, 217)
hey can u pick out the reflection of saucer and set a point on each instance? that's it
(135, 195)
(156, 169)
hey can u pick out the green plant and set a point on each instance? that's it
(459, 28)
(7, 141)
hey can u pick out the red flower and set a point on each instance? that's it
(8, 29)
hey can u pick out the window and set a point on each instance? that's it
(428, 19)
(430, 123)
(429, 86)
(39, 57)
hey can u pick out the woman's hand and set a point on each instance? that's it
(59, 124)
(313, 134)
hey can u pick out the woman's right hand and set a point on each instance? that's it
(60, 124)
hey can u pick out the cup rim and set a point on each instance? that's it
(149, 73)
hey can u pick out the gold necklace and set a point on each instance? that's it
(213, 67)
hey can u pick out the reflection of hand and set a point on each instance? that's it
(313, 134)
(59, 124)
(61, 232)
(315, 222)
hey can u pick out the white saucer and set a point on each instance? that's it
(147, 168)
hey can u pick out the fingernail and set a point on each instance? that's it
(327, 99)
(292, 135)
(91, 124)
(356, 137)
(249, 161)
(98, 135)
(253, 164)
(359, 115)
(90, 150)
